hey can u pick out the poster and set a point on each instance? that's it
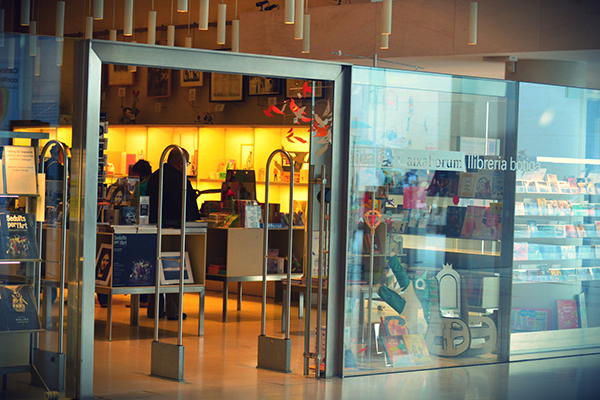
(134, 260)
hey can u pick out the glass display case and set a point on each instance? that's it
(557, 222)
(427, 277)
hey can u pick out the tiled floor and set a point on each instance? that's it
(222, 365)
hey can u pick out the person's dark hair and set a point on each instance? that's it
(142, 168)
(55, 150)
(174, 157)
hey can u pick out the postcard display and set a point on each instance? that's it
(18, 252)
(424, 228)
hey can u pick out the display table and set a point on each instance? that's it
(132, 254)
(240, 251)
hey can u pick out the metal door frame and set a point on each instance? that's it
(88, 59)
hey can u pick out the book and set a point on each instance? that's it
(519, 275)
(569, 275)
(564, 187)
(568, 252)
(570, 231)
(533, 252)
(520, 252)
(573, 188)
(417, 221)
(533, 275)
(437, 220)
(532, 228)
(395, 351)
(580, 230)
(556, 275)
(552, 182)
(531, 187)
(583, 274)
(18, 309)
(455, 216)
(582, 309)
(566, 312)
(483, 184)
(394, 325)
(367, 243)
(542, 206)
(415, 344)
(530, 319)
(466, 184)
(497, 185)
(473, 222)
(17, 236)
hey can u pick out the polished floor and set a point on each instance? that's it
(222, 365)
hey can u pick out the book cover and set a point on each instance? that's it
(560, 231)
(466, 184)
(519, 208)
(596, 272)
(395, 350)
(532, 228)
(531, 187)
(134, 260)
(455, 216)
(552, 182)
(520, 186)
(580, 230)
(394, 325)
(483, 184)
(520, 252)
(573, 188)
(583, 274)
(564, 187)
(444, 184)
(415, 197)
(582, 309)
(546, 231)
(542, 206)
(437, 220)
(498, 185)
(549, 252)
(519, 275)
(570, 231)
(585, 252)
(473, 222)
(543, 187)
(533, 275)
(533, 252)
(367, 243)
(531, 208)
(417, 222)
(17, 236)
(569, 275)
(128, 215)
(18, 309)
(415, 344)
(530, 319)
(544, 273)
(568, 252)
(566, 312)
(556, 275)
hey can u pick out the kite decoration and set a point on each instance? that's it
(299, 113)
(272, 108)
(291, 136)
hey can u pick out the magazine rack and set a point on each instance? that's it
(22, 294)
(275, 353)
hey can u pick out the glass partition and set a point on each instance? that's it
(430, 157)
(556, 241)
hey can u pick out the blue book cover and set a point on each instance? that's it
(18, 310)
(17, 236)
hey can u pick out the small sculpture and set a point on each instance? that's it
(130, 113)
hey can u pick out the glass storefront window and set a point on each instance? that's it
(556, 233)
(429, 160)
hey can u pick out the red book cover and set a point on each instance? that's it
(566, 311)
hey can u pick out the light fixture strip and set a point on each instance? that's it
(472, 24)
(289, 11)
(299, 20)
(386, 17)
(128, 18)
(25, 10)
(306, 36)
(221, 23)
(98, 9)
(182, 5)
(59, 29)
(203, 18)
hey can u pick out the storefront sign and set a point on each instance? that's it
(425, 159)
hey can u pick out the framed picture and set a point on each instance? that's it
(226, 87)
(104, 264)
(159, 83)
(294, 88)
(247, 157)
(169, 268)
(119, 75)
(190, 78)
(261, 85)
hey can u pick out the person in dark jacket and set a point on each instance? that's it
(173, 172)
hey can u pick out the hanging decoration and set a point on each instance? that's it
(291, 136)
(372, 219)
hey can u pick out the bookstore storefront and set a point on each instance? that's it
(467, 234)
